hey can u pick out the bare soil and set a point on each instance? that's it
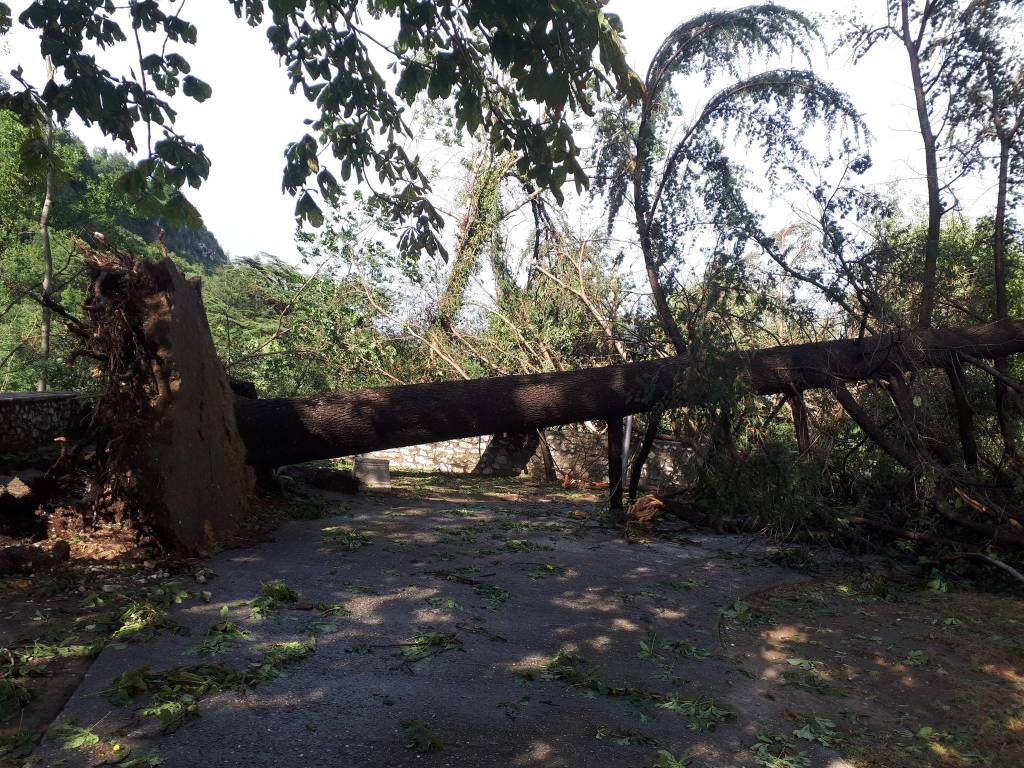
(909, 677)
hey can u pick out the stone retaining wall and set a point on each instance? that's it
(579, 454)
(29, 421)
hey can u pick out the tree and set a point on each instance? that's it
(452, 50)
(992, 113)
(147, 330)
(44, 235)
(773, 109)
(931, 34)
(85, 197)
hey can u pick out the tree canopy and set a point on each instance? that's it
(518, 70)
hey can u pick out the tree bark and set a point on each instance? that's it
(288, 431)
(964, 412)
(1003, 397)
(861, 418)
(931, 248)
(646, 443)
(44, 234)
(800, 422)
(615, 441)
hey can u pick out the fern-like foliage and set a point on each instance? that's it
(670, 157)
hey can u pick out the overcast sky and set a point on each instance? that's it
(251, 117)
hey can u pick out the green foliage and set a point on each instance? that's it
(18, 745)
(333, 609)
(623, 737)
(773, 750)
(771, 110)
(74, 737)
(140, 760)
(141, 620)
(493, 595)
(176, 692)
(819, 729)
(522, 545)
(743, 614)
(222, 637)
(425, 645)
(346, 538)
(273, 596)
(14, 696)
(280, 655)
(564, 666)
(496, 64)
(665, 759)
(87, 199)
(64, 650)
(705, 714)
(667, 654)
(544, 571)
(808, 675)
(292, 333)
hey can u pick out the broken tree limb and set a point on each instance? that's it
(291, 430)
(867, 425)
(991, 561)
(964, 412)
(800, 422)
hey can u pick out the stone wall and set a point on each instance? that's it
(578, 454)
(29, 421)
(455, 456)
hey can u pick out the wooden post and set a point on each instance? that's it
(615, 440)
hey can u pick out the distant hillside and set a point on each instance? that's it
(196, 245)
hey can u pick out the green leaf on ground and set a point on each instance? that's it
(273, 596)
(72, 736)
(346, 538)
(419, 738)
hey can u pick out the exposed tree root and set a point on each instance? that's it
(168, 454)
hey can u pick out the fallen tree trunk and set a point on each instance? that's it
(290, 430)
(175, 442)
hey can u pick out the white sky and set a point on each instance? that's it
(251, 116)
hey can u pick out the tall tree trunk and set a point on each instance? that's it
(288, 431)
(44, 233)
(1007, 427)
(482, 215)
(645, 224)
(931, 249)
